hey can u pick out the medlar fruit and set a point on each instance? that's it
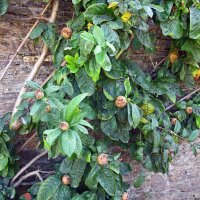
(64, 126)
(102, 159)
(189, 110)
(39, 94)
(120, 102)
(66, 32)
(66, 180)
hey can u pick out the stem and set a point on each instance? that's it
(23, 42)
(28, 165)
(39, 61)
(186, 97)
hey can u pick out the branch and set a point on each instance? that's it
(39, 61)
(23, 42)
(27, 141)
(156, 66)
(28, 165)
(186, 97)
(34, 173)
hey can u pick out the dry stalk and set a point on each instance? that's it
(24, 41)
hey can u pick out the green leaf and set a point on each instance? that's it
(76, 1)
(33, 85)
(91, 180)
(66, 166)
(67, 86)
(194, 22)
(95, 9)
(85, 83)
(157, 7)
(173, 28)
(145, 39)
(68, 141)
(135, 115)
(28, 95)
(88, 37)
(177, 127)
(40, 28)
(198, 121)
(127, 86)
(3, 7)
(93, 69)
(109, 127)
(100, 55)
(72, 63)
(73, 105)
(139, 180)
(194, 135)
(156, 141)
(77, 172)
(3, 162)
(51, 136)
(48, 188)
(196, 109)
(107, 181)
(99, 35)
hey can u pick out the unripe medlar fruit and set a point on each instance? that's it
(102, 159)
(189, 110)
(48, 108)
(39, 94)
(64, 126)
(173, 121)
(147, 108)
(66, 32)
(125, 196)
(66, 180)
(120, 102)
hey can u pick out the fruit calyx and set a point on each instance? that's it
(102, 159)
(66, 32)
(64, 126)
(66, 180)
(120, 102)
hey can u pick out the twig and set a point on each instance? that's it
(28, 165)
(172, 132)
(48, 78)
(23, 42)
(155, 67)
(34, 173)
(185, 97)
(27, 141)
(39, 61)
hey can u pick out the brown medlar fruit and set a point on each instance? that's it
(173, 121)
(39, 94)
(102, 159)
(66, 32)
(120, 102)
(64, 126)
(66, 180)
(125, 196)
(189, 110)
